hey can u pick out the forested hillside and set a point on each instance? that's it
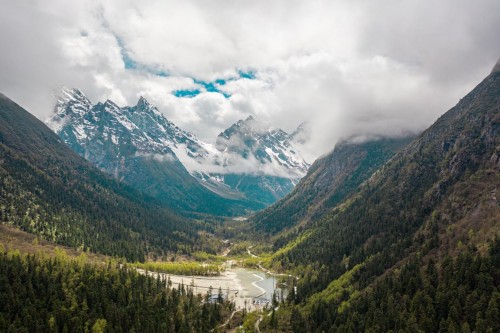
(460, 294)
(139, 146)
(48, 190)
(329, 180)
(433, 206)
(60, 294)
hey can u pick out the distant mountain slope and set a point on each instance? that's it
(261, 161)
(267, 145)
(437, 194)
(417, 247)
(140, 146)
(48, 190)
(329, 180)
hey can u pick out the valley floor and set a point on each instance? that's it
(241, 286)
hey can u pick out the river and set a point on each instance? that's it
(247, 288)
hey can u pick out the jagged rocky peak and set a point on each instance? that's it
(246, 121)
(246, 127)
(144, 108)
(243, 134)
(302, 133)
(252, 139)
(110, 104)
(72, 98)
(249, 127)
(144, 104)
(142, 127)
(124, 140)
(72, 94)
(496, 68)
(70, 102)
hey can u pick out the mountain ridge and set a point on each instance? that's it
(138, 142)
(50, 191)
(458, 161)
(416, 247)
(329, 180)
(431, 181)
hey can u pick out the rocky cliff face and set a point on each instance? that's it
(271, 147)
(272, 161)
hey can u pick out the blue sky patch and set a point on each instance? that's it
(213, 86)
(186, 93)
(131, 64)
(127, 60)
(250, 74)
(209, 86)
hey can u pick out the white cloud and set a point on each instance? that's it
(222, 163)
(348, 68)
(157, 157)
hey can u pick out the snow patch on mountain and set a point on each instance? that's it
(275, 152)
(248, 147)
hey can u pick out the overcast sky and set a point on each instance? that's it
(349, 68)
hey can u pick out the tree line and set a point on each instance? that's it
(60, 294)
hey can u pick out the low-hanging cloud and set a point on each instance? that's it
(350, 69)
(225, 163)
(157, 157)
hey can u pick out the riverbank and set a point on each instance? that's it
(267, 271)
(238, 285)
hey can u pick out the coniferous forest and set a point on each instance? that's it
(461, 294)
(48, 190)
(242, 166)
(411, 248)
(60, 294)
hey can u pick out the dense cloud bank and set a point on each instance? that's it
(350, 69)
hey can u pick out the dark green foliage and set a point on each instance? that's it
(330, 180)
(59, 295)
(48, 190)
(401, 253)
(460, 295)
(440, 178)
(466, 293)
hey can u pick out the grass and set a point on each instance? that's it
(12, 238)
(180, 268)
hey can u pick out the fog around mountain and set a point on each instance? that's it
(352, 69)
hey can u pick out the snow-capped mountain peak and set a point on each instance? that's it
(70, 102)
(272, 147)
(113, 137)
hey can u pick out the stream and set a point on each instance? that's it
(247, 288)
